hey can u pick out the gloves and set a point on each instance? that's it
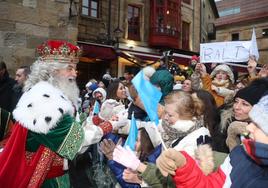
(107, 148)
(119, 120)
(126, 157)
(235, 129)
(169, 161)
(106, 111)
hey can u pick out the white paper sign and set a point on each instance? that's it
(224, 52)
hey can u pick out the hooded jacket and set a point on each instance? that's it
(239, 170)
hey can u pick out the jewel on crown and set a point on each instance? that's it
(60, 51)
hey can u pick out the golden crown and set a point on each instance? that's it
(60, 51)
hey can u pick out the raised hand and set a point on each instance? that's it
(126, 157)
(131, 176)
(106, 111)
(107, 147)
(169, 161)
(252, 64)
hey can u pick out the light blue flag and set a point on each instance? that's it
(149, 94)
(96, 107)
(133, 134)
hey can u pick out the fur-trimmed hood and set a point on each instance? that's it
(227, 116)
(205, 159)
(41, 107)
(224, 68)
(102, 91)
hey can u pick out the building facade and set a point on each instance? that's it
(237, 20)
(25, 24)
(115, 35)
(121, 35)
(209, 14)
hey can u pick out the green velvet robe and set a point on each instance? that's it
(65, 139)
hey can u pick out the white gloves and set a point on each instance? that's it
(121, 120)
(106, 111)
(126, 157)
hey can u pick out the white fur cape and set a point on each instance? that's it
(41, 107)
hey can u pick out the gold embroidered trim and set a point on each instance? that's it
(57, 161)
(42, 168)
(72, 142)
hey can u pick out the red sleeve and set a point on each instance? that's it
(97, 120)
(190, 175)
(106, 127)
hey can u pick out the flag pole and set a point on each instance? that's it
(159, 136)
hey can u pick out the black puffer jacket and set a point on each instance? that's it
(7, 93)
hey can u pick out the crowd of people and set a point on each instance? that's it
(212, 131)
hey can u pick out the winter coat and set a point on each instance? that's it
(6, 93)
(207, 82)
(239, 170)
(153, 177)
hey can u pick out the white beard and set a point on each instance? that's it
(69, 87)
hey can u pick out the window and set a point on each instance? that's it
(90, 8)
(133, 22)
(235, 36)
(265, 32)
(229, 11)
(187, 1)
(166, 15)
(185, 36)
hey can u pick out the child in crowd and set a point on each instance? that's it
(246, 166)
(219, 83)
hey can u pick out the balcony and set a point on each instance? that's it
(165, 23)
(164, 37)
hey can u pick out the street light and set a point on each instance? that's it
(118, 33)
(73, 8)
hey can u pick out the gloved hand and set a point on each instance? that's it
(131, 176)
(107, 147)
(235, 129)
(169, 161)
(126, 157)
(119, 120)
(106, 111)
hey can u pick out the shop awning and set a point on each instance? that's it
(181, 59)
(138, 57)
(98, 51)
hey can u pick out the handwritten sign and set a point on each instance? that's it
(220, 52)
(224, 52)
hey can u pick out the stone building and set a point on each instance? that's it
(25, 24)
(208, 15)
(123, 35)
(237, 20)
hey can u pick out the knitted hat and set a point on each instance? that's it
(164, 80)
(259, 113)
(148, 72)
(224, 68)
(254, 91)
(93, 87)
(107, 76)
(195, 58)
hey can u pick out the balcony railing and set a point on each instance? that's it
(165, 31)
